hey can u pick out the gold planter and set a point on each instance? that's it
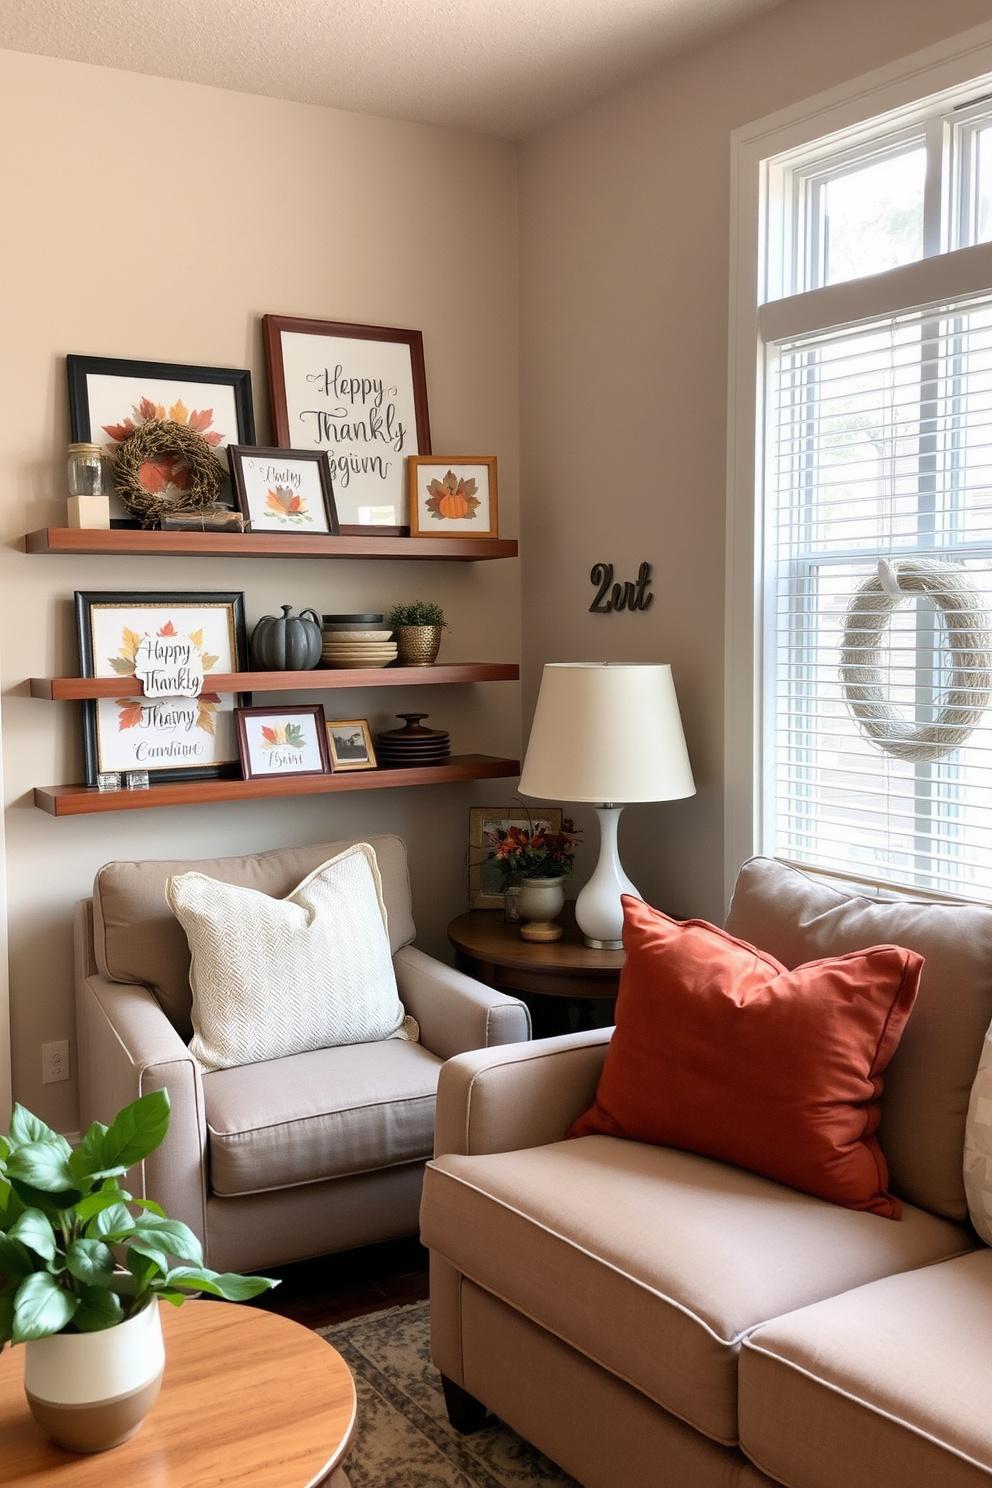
(417, 645)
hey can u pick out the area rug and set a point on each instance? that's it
(402, 1438)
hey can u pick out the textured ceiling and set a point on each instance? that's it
(502, 67)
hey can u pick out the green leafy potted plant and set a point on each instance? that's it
(417, 628)
(81, 1274)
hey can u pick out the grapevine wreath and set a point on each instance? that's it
(165, 437)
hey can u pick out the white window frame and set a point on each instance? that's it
(896, 90)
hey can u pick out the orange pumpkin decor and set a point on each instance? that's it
(452, 498)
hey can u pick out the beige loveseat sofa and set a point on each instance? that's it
(654, 1319)
(292, 1157)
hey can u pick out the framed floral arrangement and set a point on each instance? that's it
(488, 827)
(350, 743)
(282, 741)
(172, 736)
(110, 397)
(360, 393)
(452, 496)
(280, 490)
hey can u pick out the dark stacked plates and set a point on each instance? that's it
(413, 745)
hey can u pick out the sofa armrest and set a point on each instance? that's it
(126, 1047)
(454, 1011)
(502, 1100)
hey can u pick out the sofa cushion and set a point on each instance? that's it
(272, 977)
(656, 1263)
(720, 1050)
(319, 1115)
(978, 1146)
(928, 1082)
(882, 1387)
(137, 938)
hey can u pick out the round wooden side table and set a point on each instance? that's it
(565, 984)
(249, 1399)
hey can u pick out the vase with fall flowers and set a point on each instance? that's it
(537, 861)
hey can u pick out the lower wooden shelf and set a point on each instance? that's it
(84, 800)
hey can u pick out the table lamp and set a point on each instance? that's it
(607, 733)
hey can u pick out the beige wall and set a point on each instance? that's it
(625, 223)
(151, 219)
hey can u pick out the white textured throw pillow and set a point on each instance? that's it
(272, 977)
(978, 1146)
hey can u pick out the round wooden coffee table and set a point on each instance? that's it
(248, 1399)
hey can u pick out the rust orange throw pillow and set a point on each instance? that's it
(720, 1049)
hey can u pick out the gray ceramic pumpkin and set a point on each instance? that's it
(287, 643)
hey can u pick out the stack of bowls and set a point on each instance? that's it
(414, 745)
(357, 641)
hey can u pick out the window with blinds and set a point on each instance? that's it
(878, 446)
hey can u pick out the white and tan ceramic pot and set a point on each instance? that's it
(540, 900)
(91, 1391)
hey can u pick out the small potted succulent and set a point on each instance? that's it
(81, 1273)
(417, 628)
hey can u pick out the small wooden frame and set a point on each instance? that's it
(349, 741)
(452, 496)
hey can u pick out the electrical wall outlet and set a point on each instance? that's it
(55, 1062)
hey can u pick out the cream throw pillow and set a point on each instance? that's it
(272, 977)
(978, 1146)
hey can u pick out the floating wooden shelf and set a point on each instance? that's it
(133, 542)
(84, 800)
(70, 689)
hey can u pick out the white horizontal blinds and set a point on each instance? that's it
(880, 446)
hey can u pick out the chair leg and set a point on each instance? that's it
(465, 1413)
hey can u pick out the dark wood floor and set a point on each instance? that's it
(333, 1288)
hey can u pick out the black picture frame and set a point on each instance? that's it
(85, 421)
(242, 456)
(93, 662)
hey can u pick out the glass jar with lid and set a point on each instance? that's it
(85, 470)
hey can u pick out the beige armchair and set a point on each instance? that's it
(295, 1157)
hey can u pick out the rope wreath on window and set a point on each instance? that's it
(165, 437)
(966, 628)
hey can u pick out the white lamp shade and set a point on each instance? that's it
(607, 732)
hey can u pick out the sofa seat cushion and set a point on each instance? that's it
(319, 1115)
(882, 1387)
(656, 1263)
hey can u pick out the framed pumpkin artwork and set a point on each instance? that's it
(452, 495)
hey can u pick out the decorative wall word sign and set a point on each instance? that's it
(170, 665)
(624, 595)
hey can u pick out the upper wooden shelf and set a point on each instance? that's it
(69, 689)
(133, 542)
(84, 800)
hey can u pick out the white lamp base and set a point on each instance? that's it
(598, 911)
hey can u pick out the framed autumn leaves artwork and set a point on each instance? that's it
(452, 496)
(163, 647)
(280, 490)
(109, 398)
